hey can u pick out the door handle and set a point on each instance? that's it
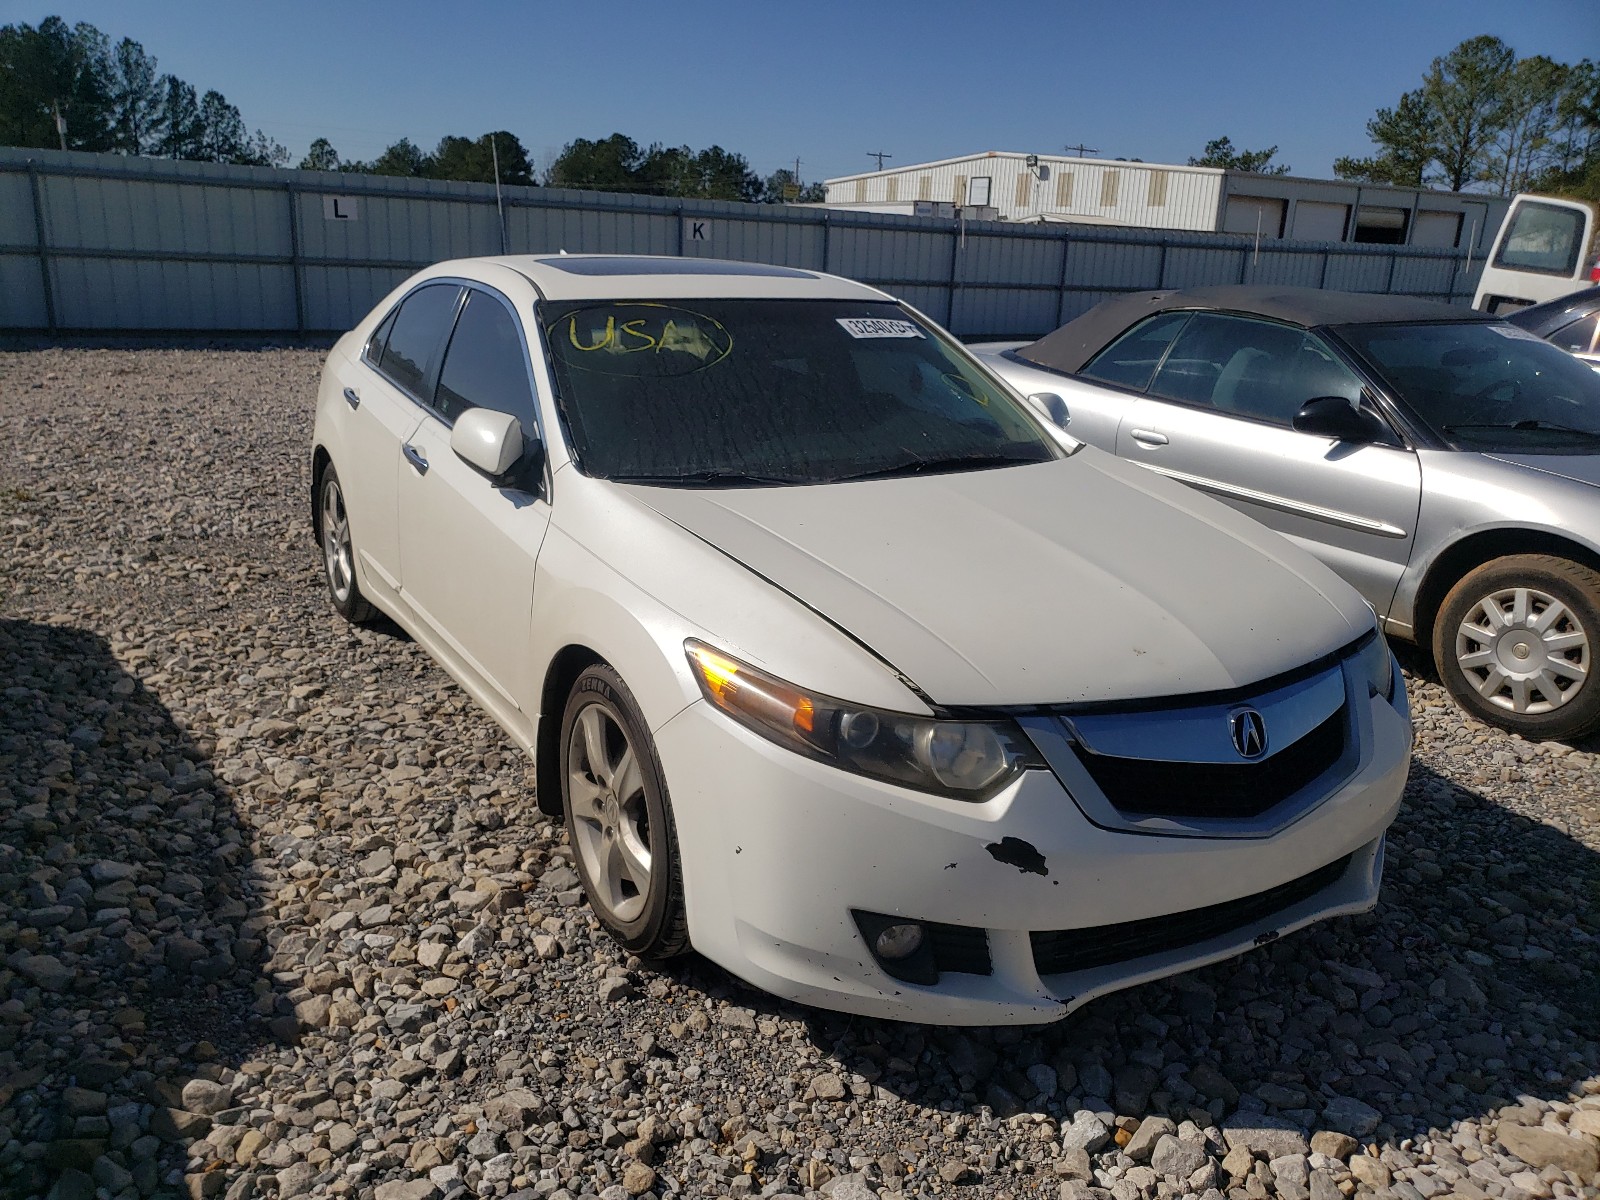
(1148, 437)
(414, 457)
(351, 398)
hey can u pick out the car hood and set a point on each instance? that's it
(1581, 468)
(1071, 581)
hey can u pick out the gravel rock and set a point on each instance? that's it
(1176, 1158)
(1087, 1132)
(249, 851)
(1348, 1115)
(1546, 1148)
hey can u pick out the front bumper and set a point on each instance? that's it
(778, 850)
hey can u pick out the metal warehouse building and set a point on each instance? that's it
(999, 185)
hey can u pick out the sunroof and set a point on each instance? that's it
(578, 264)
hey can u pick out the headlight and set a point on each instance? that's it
(1376, 665)
(967, 760)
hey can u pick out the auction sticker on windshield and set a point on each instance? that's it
(878, 327)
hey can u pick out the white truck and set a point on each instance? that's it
(1546, 248)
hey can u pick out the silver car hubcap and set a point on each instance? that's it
(336, 551)
(610, 821)
(1523, 650)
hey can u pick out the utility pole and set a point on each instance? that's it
(880, 156)
(61, 123)
(499, 205)
(1082, 149)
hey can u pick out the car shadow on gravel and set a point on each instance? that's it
(132, 977)
(1472, 984)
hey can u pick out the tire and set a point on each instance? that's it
(339, 551)
(1515, 643)
(619, 818)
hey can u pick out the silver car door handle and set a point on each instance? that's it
(1148, 437)
(414, 457)
(351, 398)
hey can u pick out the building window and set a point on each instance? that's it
(861, 190)
(891, 188)
(925, 187)
(1158, 189)
(1024, 190)
(1109, 182)
(960, 194)
(1064, 190)
(978, 190)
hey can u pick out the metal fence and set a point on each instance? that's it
(104, 243)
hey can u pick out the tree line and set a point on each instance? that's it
(71, 86)
(1481, 117)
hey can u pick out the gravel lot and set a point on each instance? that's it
(278, 916)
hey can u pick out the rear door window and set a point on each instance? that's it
(1132, 359)
(1543, 238)
(418, 335)
(485, 366)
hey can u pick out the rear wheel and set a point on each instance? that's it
(338, 551)
(619, 817)
(1515, 645)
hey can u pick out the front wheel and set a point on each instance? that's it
(1514, 644)
(619, 817)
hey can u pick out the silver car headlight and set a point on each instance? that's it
(966, 760)
(1375, 663)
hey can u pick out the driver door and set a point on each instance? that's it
(1218, 415)
(467, 546)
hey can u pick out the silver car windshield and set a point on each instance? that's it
(769, 392)
(1482, 385)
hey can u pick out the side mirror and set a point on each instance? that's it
(488, 440)
(1051, 407)
(1335, 417)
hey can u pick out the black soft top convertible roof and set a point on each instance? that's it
(1071, 346)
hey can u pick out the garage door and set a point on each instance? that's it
(1319, 221)
(1250, 214)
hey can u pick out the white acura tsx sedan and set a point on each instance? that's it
(844, 664)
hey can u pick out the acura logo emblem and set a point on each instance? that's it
(1249, 732)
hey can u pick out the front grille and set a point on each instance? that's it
(1143, 787)
(1061, 950)
(961, 948)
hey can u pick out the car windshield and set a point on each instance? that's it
(770, 392)
(1483, 385)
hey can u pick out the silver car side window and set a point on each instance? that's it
(1260, 370)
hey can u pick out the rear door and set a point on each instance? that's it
(1218, 416)
(1545, 249)
(384, 393)
(468, 546)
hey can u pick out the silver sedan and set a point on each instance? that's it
(1443, 461)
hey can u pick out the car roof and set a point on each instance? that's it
(1553, 314)
(1071, 346)
(653, 277)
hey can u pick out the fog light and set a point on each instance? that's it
(899, 941)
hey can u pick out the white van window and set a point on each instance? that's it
(1542, 238)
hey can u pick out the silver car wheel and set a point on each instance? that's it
(611, 822)
(337, 554)
(1523, 650)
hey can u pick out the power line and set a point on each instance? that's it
(880, 156)
(1082, 149)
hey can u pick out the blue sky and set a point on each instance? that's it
(827, 80)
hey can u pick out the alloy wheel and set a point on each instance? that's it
(611, 821)
(338, 556)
